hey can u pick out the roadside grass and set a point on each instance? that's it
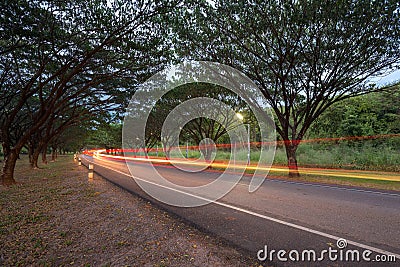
(353, 156)
(26, 210)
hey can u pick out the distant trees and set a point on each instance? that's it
(304, 55)
(200, 127)
(372, 114)
(60, 61)
(106, 135)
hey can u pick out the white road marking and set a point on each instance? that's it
(306, 229)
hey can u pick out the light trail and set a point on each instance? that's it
(258, 144)
(370, 175)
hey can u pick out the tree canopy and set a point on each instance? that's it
(303, 55)
(71, 59)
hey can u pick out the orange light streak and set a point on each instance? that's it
(372, 175)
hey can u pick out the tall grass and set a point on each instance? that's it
(362, 156)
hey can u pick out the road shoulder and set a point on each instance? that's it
(55, 216)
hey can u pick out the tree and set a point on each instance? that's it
(200, 127)
(57, 54)
(304, 55)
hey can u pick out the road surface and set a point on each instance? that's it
(282, 215)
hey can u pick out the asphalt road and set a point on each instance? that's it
(281, 215)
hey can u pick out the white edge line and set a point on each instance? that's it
(306, 229)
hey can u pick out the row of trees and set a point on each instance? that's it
(60, 63)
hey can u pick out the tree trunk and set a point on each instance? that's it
(44, 156)
(30, 153)
(7, 174)
(35, 158)
(166, 151)
(292, 161)
(53, 153)
(207, 152)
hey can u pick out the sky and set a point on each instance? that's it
(390, 78)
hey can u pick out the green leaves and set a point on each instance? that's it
(372, 114)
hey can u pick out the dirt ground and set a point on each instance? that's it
(55, 217)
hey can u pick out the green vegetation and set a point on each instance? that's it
(371, 114)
